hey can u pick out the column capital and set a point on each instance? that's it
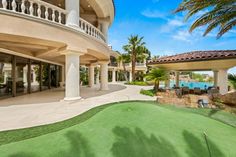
(72, 52)
(103, 62)
(93, 64)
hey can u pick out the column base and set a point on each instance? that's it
(72, 99)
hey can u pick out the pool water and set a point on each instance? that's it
(192, 85)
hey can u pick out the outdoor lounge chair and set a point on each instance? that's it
(197, 91)
(179, 93)
(203, 103)
(185, 90)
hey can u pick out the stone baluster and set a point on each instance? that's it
(31, 8)
(90, 32)
(39, 11)
(93, 32)
(53, 15)
(86, 28)
(4, 4)
(46, 13)
(22, 6)
(13, 4)
(59, 17)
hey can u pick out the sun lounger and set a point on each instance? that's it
(197, 91)
(185, 90)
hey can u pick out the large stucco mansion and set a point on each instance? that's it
(44, 42)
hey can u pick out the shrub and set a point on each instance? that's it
(150, 92)
(138, 83)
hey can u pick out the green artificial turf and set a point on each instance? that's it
(129, 129)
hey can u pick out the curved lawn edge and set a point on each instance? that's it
(10, 136)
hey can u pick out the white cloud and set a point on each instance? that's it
(172, 25)
(153, 14)
(183, 35)
(176, 22)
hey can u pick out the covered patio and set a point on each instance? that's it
(57, 95)
(219, 62)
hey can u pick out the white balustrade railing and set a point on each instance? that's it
(91, 30)
(45, 11)
(35, 8)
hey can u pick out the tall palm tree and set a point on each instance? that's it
(123, 59)
(134, 47)
(157, 75)
(221, 14)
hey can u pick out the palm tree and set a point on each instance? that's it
(123, 59)
(232, 80)
(134, 47)
(157, 75)
(222, 14)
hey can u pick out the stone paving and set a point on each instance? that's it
(19, 114)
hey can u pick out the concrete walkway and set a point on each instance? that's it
(23, 116)
(56, 95)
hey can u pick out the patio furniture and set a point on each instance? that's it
(179, 93)
(197, 91)
(185, 90)
(213, 91)
(202, 103)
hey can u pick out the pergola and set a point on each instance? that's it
(217, 61)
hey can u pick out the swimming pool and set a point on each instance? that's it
(192, 85)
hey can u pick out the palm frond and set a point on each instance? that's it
(219, 13)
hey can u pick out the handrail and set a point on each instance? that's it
(46, 11)
(35, 8)
(89, 29)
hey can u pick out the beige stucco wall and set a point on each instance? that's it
(18, 29)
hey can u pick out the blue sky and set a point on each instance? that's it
(165, 33)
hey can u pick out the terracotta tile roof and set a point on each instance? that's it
(195, 56)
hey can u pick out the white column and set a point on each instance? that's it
(223, 81)
(98, 76)
(25, 72)
(5, 77)
(114, 75)
(91, 76)
(167, 82)
(104, 75)
(72, 7)
(144, 73)
(62, 83)
(104, 26)
(72, 76)
(177, 78)
(215, 78)
(130, 76)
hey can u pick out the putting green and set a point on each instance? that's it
(133, 129)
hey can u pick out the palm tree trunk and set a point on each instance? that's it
(158, 84)
(125, 72)
(133, 66)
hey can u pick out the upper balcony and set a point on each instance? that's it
(90, 20)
